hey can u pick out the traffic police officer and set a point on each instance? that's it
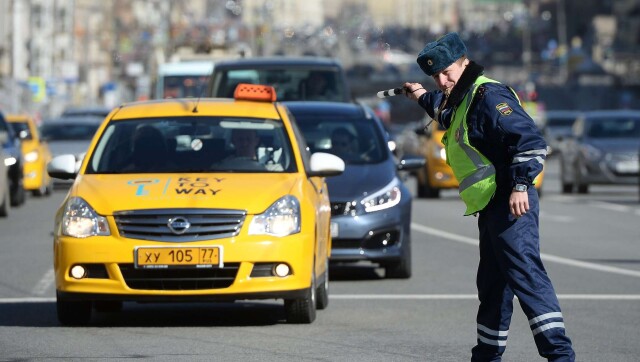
(495, 151)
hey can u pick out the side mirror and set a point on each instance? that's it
(325, 164)
(63, 167)
(409, 163)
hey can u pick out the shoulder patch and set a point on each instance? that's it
(504, 109)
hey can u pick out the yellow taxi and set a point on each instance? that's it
(36, 154)
(437, 174)
(195, 200)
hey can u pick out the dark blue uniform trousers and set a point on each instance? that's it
(510, 265)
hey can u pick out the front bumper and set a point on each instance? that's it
(377, 236)
(611, 170)
(245, 273)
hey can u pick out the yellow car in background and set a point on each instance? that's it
(36, 154)
(195, 200)
(437, 174)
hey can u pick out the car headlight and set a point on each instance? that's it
(282, 218)
(439, 152)
(590, 152)
(387, 197)
(10, 161)
(31, 156)
(80, 220)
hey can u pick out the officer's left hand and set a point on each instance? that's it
(518, 203)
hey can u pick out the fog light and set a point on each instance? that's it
(281, 270)
(78, 272)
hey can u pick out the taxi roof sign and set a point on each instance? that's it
(255, 92)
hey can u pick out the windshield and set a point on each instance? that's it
(22, 129)
(356, 140)
(290, 84)
(193, 144)
(614, 128)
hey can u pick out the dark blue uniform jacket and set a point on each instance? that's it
(499, 128)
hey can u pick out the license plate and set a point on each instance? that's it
(627, 167)
(334, 229)
(168, 257)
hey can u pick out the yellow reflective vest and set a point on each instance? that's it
(476, 175)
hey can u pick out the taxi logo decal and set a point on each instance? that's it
(187, 186)
(504, 109)
(141, 183)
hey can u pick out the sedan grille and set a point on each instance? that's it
(179, 225)
(343, 208)
(179, 278)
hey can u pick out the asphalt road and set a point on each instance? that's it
(590, 245)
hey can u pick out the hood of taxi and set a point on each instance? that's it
(251, 192)
(358, 181)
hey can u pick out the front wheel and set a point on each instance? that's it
(400, 269)
(302, 310)
(322, 292)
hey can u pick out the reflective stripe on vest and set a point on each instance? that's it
(475, 173)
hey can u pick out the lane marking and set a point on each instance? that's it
(45, 282)
(610, 206)
(557, 218)
(546, 257)
(608, 297)
(474, 296)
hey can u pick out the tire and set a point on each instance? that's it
(42, 190)
(18, 194)
(73, 313)
(567, 188)
(425, 190)
(580, 187)
(400, 269)
(302, 310)
(322, 292)
(4, 207)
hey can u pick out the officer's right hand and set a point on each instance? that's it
(413, 91)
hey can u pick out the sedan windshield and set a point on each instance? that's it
(614, 128)
(192, 144)
(356, 140)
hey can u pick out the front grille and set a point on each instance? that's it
(179, 278)
(343, 208)
(203, 224)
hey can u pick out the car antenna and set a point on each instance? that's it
(195, 107)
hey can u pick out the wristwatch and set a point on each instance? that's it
(520, 188)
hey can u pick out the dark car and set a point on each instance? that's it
(14, 161)
(5, 195)
(70, 135)
(84, 111)
(294, 78)
(370, 205)
(557, 126)
(603, 149)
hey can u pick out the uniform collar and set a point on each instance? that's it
(468, 77)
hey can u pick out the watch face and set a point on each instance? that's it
(521, 188)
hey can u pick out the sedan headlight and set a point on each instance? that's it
(387, 197)
(31, 156)
(80, 220)
(282, 218)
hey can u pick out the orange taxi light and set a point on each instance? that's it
(254, 92)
